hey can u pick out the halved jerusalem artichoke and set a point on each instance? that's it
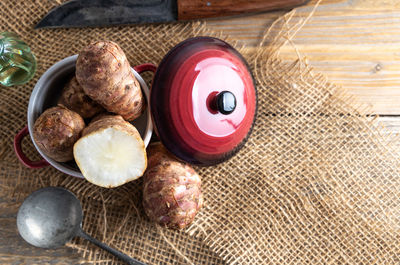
(110, 152)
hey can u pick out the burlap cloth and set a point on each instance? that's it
(316, 183)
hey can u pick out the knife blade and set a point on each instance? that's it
(95, 13)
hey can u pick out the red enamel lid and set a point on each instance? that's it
(203, 101)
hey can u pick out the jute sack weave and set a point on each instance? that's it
(316, 183)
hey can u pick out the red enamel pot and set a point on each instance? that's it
(203, 101)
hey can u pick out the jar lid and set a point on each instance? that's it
(203, 101)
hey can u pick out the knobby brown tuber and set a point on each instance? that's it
(172, 190)
(56, 131)
(105, 75)
(74, 98)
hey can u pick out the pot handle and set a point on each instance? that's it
(145, 67)
(20, 154)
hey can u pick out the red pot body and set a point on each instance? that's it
(191, 79)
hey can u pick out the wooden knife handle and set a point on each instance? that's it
(194, 9)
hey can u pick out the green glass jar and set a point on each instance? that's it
(17, 63)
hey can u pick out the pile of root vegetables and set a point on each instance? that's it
(109, 150)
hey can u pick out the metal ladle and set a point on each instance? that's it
(52, 216)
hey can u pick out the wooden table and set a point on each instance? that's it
(355, 43)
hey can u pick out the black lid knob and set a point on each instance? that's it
(226, 102)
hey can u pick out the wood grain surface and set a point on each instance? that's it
(356, 43)
(194, 9)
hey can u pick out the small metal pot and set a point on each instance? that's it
(45, 95)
